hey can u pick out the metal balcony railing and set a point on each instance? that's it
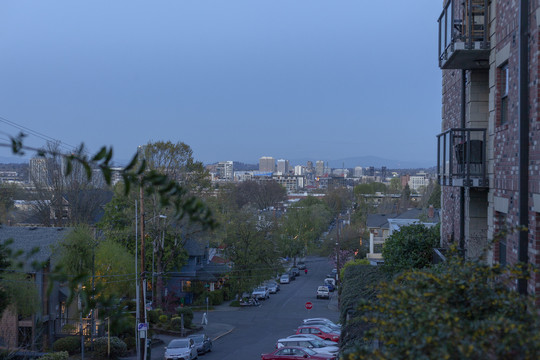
(461, 158)
(464, 35)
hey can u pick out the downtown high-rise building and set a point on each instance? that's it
(319, 168)
(282, 167)
(224, 170)
(267, 164)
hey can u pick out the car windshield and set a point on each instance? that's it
(309, 351)
(318, 343)
(178, 344)
(259, 289)
(197, 338)
(284, 276)
(325, 329)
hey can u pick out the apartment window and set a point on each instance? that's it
(503, 91)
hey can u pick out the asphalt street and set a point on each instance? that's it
(245, 333)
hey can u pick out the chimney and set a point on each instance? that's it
(431, 212)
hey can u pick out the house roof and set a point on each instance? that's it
(381, 220)
(28, 238)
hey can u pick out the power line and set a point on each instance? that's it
(35, 133)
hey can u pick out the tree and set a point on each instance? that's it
(395, 186)
(114, 269)
(7, 201)
(63, 198)
(261, 195)
(410, 248)
(338, 200)
(250, 247)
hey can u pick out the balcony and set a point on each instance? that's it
(461, 158)
(464, 35)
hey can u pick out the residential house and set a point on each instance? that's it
(381, 226)
(489, 148)
(40, 329)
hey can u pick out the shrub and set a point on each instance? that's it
(235, 303)
(352, 263)
(188, 315)
(163, 319)
(130, 342)
(456, 310)
(118, 347)
(410, 248)
(61, 355)
(176, 323)
(71, 344)
(153, 315)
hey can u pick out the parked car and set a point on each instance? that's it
(331, 284)
(261, 293)
(295, 271)
(202, 343)
(331, 325)
(182, 348)
(316, 345)
(301, 265)
(321, 331)
(320, 319)
(323, 292)
(285, 279)
(312, 336)
(273, 287)
(295, 353)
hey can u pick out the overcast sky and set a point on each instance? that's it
(235, 80)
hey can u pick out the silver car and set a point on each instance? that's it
(181, 349)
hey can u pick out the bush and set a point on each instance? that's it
(176, 323)
(188, 315)
(410, 248)
(456, 310)
(130, 342)
(71, 344)
(163, 319)
(61, 355)
(235, 303)
(118, 347)
(153, 315)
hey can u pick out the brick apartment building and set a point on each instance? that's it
(489, 147)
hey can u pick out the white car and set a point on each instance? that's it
(261, 293)
(314, 344)
(181, 349)
(323, 292)
(284, 279)
(312, 336)
(326, 320)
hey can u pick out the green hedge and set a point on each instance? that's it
(118, 347)
(357, 284)
(61, 355)
(71, 344)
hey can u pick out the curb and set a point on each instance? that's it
(222, 335)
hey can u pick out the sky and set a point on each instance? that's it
(233, 79)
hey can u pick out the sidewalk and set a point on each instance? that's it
(213, 330)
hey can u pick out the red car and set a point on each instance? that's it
(321, 331)
(295, 353)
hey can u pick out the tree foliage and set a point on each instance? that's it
(457, 310)
(250, 247)
(410, 248)
(261, 195)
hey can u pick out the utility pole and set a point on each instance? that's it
(142, 300)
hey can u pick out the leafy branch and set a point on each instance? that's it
(135, 174)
